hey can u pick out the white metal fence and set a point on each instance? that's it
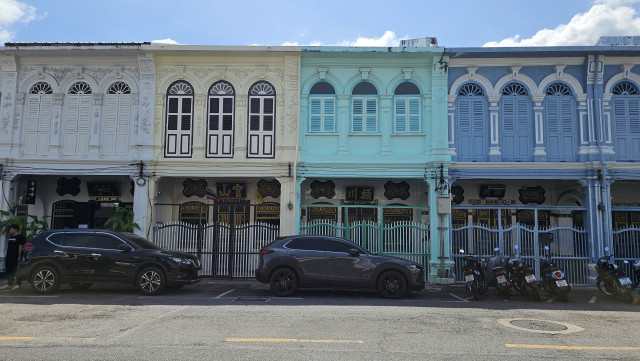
(569, 247)
(223, 250)
(626, 247)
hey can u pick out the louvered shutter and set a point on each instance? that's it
(315, 117)
(77, 124)
(123, 124)
(110, 128)
(401, 115)
(372, 115)
(414, 115)
(329, 114)
(358, 115)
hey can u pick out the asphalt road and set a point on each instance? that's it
(239, 320)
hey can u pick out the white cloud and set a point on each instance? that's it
(389, 38)
(11, 12)
(606, 17)
(165, 41)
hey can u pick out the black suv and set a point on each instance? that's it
(81, 257)
(329, 262)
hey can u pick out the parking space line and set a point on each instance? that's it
(460, 298)
(224, 294)
(290, 340)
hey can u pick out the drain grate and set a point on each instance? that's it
(252, 299)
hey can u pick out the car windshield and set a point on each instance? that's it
(139, 241)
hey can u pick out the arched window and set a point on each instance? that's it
(626, 121)
(38, 119)
(471, 129)
(561, 135)
(220, 120)
(407, 109)
(516, 123)
(262, 113)
(322, 108)
(364, 108)
(179, 120)
(117, 119)
(77, 120)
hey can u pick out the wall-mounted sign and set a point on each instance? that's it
(492, 190)
(323, 189)
(268, 211)
(359, 195)
(194, 188)
(103, 191)
(231, 192)
(31, 192)
(396, 190)
(491, 202)
(532, 195)
(68, 186)
(322, 212)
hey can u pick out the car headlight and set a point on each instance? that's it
(181, 260)
(414, 267)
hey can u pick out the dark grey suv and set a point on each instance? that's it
(329, 262)
(81, 257)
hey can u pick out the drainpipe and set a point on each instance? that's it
(605, 210)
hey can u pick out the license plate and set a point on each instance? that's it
(502, 279)
(562, 283)
(530, 278)
(625, 281)
(469, 278)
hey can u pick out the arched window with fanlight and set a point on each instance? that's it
(262, 117)
(561, 136)
(322, 108)
(179, 125)
(221, 110)
(471, 129)
(625, 108)
(117, 119)
(364, 108)
(516, 123)
(77, 120)
(407, 109)
(38, 119)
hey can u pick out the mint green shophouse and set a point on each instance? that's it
(374, 153)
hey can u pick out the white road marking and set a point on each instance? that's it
(224, 294)
(550, 300)
(593, 299)
(460, 298)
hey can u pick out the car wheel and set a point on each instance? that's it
(45, 279)
(80, 285)
(284, 282)
(392, 284)
(151, 281)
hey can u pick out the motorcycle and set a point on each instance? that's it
(612, 281)
(554, 279)
(474, 275)
(496, 275)
(522, 277)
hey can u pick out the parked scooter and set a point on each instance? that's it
(522, 277)
(613, 281)
(554, 279)
(474, 275)
(496, 275)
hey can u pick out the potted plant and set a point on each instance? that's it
(29, 226)
(122, 220)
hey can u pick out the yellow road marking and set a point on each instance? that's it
(7, 338)
(290, 340)
(557, 347)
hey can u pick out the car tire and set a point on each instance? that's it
(80, 285)
(391, 284)
(283, 282)
(45, 279)
(151, 281)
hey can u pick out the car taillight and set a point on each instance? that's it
(28, 247)
(265, 251)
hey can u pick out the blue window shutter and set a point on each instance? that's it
(401, 115)
(372, 115)
(316, 115)
(329, 114)
(358, 115)
(414, 115)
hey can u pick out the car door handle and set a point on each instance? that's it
(58, 251)
(96, 255)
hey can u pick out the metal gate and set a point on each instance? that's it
(569, 247)
(409, 240)
(626, 247)
(224, 250)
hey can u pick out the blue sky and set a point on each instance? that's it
(455, 23)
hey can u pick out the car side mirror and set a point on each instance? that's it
(354, 252)
(124, 247)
